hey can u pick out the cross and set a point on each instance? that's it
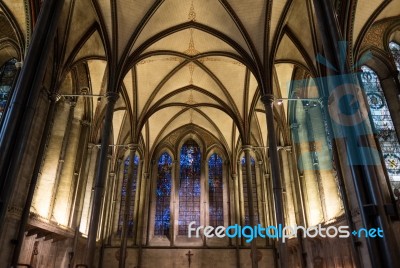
(189, 254)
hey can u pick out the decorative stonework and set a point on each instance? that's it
(374, 36)
(14, 212)
(192, 13)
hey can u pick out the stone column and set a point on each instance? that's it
(42, 149)
(384, 251)
(236, 212)
(125, 224)
(141, 220)
(268, 101)
(175, 201)
(17, 120)
(100, 178)
(250, 201)
(114, 211)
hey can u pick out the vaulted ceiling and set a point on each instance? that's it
(202, 62)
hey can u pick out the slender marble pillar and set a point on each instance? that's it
(125, 224)
(268, 101)
(100, 178)
(250, 200)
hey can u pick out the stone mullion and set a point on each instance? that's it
(204, 217)
(226, 193)
(138, 196)
(175, 202)
(241, 210)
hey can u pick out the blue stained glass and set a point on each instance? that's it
(215, 191)
(7, 75)
(124, 195)
(383, 124)
(189, 188)
(163, 196)
(395, 49)
(254, 191)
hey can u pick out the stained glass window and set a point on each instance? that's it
(163, 196)
(395, 49)
(189, 187)
(124, 195)
(383, 123)
(254, 190)
(215, 191)
(7, 75)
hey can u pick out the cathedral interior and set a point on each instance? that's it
(126, 123)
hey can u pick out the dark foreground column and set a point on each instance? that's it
(268, 101)
(101, 175)
(17, 121)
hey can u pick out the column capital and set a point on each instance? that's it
(111, 174)
(268, 99)
(112, 96)
(19, 64)
(132, 146)
(91, 145)
(234, 176)
(287, 148)
(267, 175)
(85, 123)
(146, 175)
(84, 90)
(247, 148)
(53, 96)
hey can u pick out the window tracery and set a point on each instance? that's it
(189, 187)
(395, 50)
(215, 191)
(163, 196)
(7, 75)
(254, 191)
(383, 123)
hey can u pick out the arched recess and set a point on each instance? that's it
(312, 145)
(384, 127)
